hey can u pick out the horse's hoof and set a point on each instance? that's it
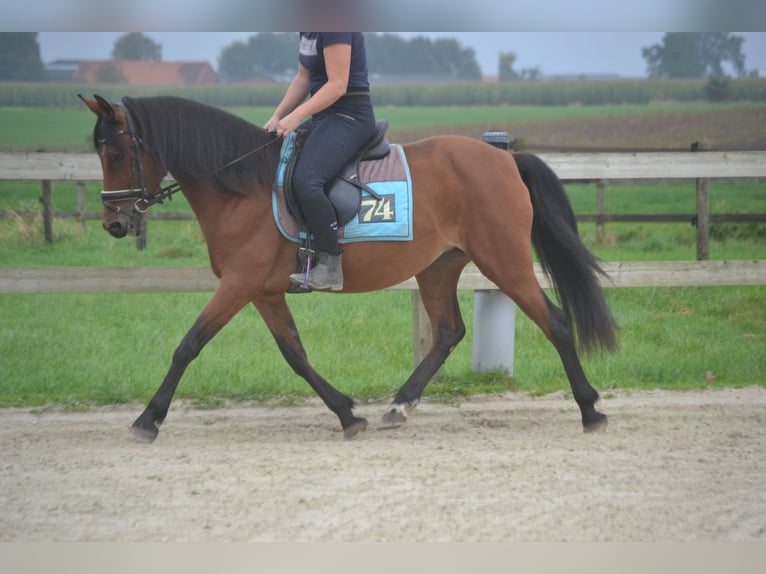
(395, 417)
(351, 431)
(142, 435)
(598, 424)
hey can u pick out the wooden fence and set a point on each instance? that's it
(699, 167)
(200, 279)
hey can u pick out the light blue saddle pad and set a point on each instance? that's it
(387, 219)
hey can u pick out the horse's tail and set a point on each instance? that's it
(572, 268)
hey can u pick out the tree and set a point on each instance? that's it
(136, 46)
(20, 57)
(264, 55)
(451, 59)
(531, 74)
(505, 72)
(694, 55)
(389, 54)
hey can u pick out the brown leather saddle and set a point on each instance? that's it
(345, 190)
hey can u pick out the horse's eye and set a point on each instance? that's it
(118, 158)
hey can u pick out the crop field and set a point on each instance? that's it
(658, 125)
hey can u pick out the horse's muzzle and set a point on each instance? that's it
(117, 229)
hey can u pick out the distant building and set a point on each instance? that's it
(61, 70)
(145, 73)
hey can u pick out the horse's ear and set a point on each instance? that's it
(100, 107)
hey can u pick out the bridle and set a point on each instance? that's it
(143, 199)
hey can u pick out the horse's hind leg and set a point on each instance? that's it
(521, 285)
(438, 290)
(584, 394)
(280, 322)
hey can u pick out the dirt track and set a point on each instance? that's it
(660, 130)
(671, 466)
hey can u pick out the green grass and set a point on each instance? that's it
(45, 129)
(670, 338)
(78, 350)
(106, 349)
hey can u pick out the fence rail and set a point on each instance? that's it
(201, 279)
(29, 166)
(701, 167)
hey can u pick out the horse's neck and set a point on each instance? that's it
(217, 211)
(208, 205)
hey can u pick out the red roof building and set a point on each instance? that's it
(143, 73)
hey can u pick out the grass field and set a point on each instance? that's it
(81, 349)
(69, 129)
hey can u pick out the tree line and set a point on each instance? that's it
(275, 55)
(270, 55)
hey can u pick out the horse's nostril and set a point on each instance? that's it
(116, 229)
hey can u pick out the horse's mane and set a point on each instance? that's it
(195, 140)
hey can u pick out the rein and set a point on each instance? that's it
(145, 200)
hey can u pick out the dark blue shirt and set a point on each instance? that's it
(311, 57)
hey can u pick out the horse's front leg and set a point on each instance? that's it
(218, 312)
(279, 320)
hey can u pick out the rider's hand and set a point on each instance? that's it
(271, 125)
(288, 124)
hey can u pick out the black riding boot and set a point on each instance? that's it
(327, 273)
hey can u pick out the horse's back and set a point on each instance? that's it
(461, 158)
(464, 172)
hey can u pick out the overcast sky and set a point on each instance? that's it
(552, 52)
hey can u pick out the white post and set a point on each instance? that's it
(494, 331)
(494, 313)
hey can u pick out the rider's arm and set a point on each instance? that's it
(296, 93)
(338, 65)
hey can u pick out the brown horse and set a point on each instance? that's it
(471, 201)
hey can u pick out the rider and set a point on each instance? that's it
(332, 68)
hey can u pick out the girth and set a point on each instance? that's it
(345, 190)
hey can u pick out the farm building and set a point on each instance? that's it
(144, 73)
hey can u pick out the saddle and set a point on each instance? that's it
(345, 190)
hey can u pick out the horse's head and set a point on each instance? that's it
(131, 178)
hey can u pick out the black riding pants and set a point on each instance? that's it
(336, 134)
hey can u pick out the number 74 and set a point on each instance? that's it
(373, 210)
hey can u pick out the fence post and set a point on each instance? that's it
(47, 200)
(82, 207)
(494, 326)
(600, 210)
(494, 312)
(703, 210)
(143, 235)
